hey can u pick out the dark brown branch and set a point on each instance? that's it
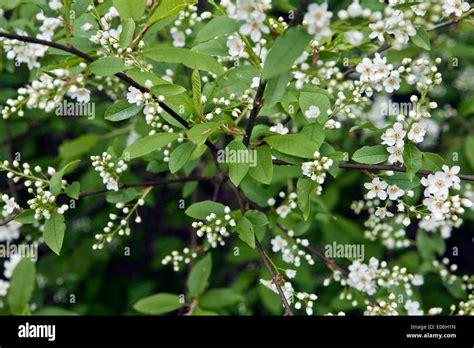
(257, 104)
(149, 183)
(376, 167)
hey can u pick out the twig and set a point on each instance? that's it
(386, 46)
(257, 104)
(149, 183)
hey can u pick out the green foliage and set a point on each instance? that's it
(158, 304)
(370, 154)
(21, 287)
(199, 276)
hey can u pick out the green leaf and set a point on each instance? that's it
(167, 89)
(21, 287)
(455, 288)
(196, 85)
(73, 190)
(126, 35)
(158, 304)
(201, 210)
(167, 8)
(246, 232)
(130, 8)
(304, 187)
(107, 66)
(238, 167)
(53, 233)
(218, 298)
(180, 156)
(218, 26)
(263, 171)
(55, 183)
(413, 160)
(297, 145)
(72, 149)
(284, 52)
(26, 217)
(148, 144)
(122, 110)
(191, 59)
(432, 161)
(199, 276)
(402, 181)
(425, 245)
(468, 150)
(421, 39)
(259, 220)
(366, 125)
(276, 88)
(370, 154)
(199, 133)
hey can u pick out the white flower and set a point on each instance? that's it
(283, 211)
(4, 285)
(417, 132)
(10, 204)
(413, 308)
(396, 154)
(10, 231)
(179, 39)
(381, 69)
(280, 129)
(394, 136)
(392, 83)
(437, 184)
(378, 29)
(354, 37)
(383, 212)
(317, 19)
(455, 6)
(135, 96)
(255, 27)
(451, 174)
(290, 273)
(365, 69)
(354, 9)
(255, 82)
(312, 112)
(55, 5)
(394, 192)
(236, 46)
(376, 189)
(82, 95)
(86, 26)
(278, 244)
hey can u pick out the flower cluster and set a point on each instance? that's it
(298, 299)
(438, 201)
(108, 39)
(120, 223)
(216, 229)
(367, 278)
(316, 169)
(253, 13)
(317, 20)
(109, 170)
(183, 25)
(48, 92)
(176, 258)
(30, 53)
(44, 202)
(292, 249)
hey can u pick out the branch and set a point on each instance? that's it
(257, 104)
(376, 167)
(124, 77)
(149, 183)
(386, 46)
